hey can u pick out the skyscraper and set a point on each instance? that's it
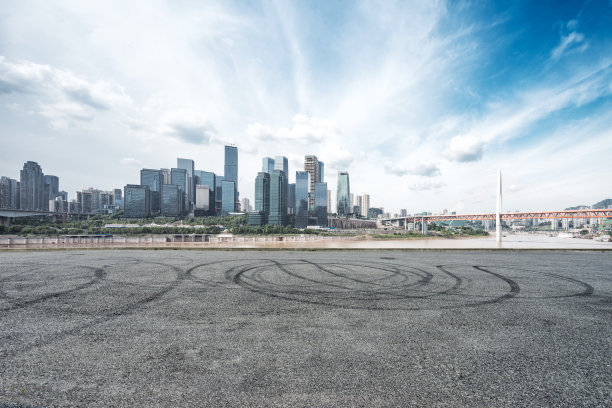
(166, 176)
(188, 166)
(228, 197)
(291, 200)
(267, 165)
(311, 165)
(321, 172)
(207, 178)
(32, 188)
(262, 193)
(171, 200)
(343, 194)
(320, 206)
(202, 201)
(281, 163)
(278, 198)
(231, 173)
(302, 182)
(218, 193)
(136, 201)
(9, 193)
(53, 183)
(365, 204)
(181, 179)
(246, 205)
(154, 179)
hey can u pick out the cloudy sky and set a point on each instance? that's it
(421, 101)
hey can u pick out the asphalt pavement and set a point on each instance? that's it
(146, 328)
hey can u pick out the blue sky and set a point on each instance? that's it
(421, 101)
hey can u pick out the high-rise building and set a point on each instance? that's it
(188, 165)
(218, 193)
(180, 178)
(171, 200)
(321, 172)
(262, 193)
(202, 201)
(9, 193)
(403, 212)
(231, 172)
(302, 183)
(154, 179)
(352, 200)
(281, 163)
(246, 205)
(320, 206)
(329, 202)
(32, 188)
(166, 176)
(53, 183)
(311, 165)
(267, 165)
(228, 197)
(344, 194)
(136, 201)
(118, 197)
(365, 204)
(291, 200)
(207, 178)
(278, 198)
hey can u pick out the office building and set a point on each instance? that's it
(291, 200)
(166, 176)
(228, 197)
(137, 201)
(330, 210)
(218, 193)
(281, 163)
(171, 200)
(278, 198)
(207, 178)
(246, 205)
(118, 196)
(373, 212)
(202, 201)
(267, 165)
(311, 165)
(230, 173)
(365, 204)
(53, 183)
(262, 193)
(302, 183)
(180, 178)
(9, 193)
(321, 173)
(153, 178)
(188, 166)
(320, 204)
(343, 194)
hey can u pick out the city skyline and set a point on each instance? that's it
(454, 94)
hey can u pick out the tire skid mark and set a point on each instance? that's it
(119, 312)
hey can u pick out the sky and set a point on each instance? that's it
(420, 101)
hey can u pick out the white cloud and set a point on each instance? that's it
(419, 169)
(188, 127)
(465, 148)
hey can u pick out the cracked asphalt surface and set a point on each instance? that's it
(299, 328)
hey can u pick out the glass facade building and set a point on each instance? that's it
(171, 200)
(321, 172)
(320, 204)
(188, 166)
(343, 194)
(302, 183)
(262, 193)
(136, 201)
(311, 165)
(9, 193)
(202, 201)
(228, 198)
(230, 173)
(180, 178)
(207, 178)
(278, 198)
(154, 180)
(53, 183)
(291, 199)
(267, 165)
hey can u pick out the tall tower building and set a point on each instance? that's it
(321, 172)
(291, 199)
(154, 179)
(228, 197)
(262, 193)
(365, 204)
(180, 178)
(207, 178)
(267, 165)
(320, 207)
(53, 183)
(311, 165)
(281, 163)
(32, 188)
(136, 201)
(344, 194)
(329, 202)
(302, 183)
(278, 198)
(9, 193)
(230, 172)
(188, 166)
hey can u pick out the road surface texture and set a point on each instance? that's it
(320, 328)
